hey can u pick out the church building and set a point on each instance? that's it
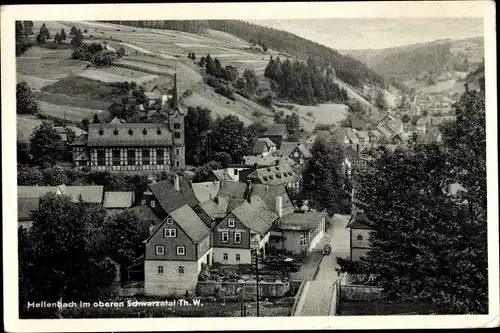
(135, 146)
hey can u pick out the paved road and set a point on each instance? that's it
(318, 293)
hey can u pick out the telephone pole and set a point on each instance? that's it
(257, 276)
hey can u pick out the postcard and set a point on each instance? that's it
(265, 165)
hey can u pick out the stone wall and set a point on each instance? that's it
(297, 297)
(359, 293)
(266, 289)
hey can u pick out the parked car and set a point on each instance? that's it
(327, 249)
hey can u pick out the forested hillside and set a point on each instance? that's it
(346, 68)
(191, 26)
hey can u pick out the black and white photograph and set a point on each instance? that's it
(241, 160)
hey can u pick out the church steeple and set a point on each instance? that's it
(175, 94)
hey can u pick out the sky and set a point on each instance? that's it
(377, 33)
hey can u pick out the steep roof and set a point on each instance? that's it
(304, 150)
(359, 221)
(81, 140)
(118, 199)
(275, 129)
(146, 215)
(26, 205)
(301, 221)
(261, 208)
(287, 148)
(222, 174)
(274, 175)
(215, 210)
(89, 194)
(35, 191)
(169, 198)
(129, 135)
(205, 191)
(249, 215)
(351, 134)
(191, 223)
(153, 95)
(265, 161)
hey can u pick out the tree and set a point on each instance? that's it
(292, 123)
(264, 47)
(228, 135)
(251, 80)
(96, 119)
(54, 176)
(62, 34)
(27, 175)
(210, 65)
(380, 101)
(124, 234)
(23, 156)
(28, 27)
(25, 99)
(54, 261)
(46, 145)
(222, 158)
(279, 117)
(253, 131)
(202, 172)
(406, 118)
(323, 181)
(197, 125)
(310, 115)
(77, 41)
(73, 31)
(57, 38)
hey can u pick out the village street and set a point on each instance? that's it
(318, 292)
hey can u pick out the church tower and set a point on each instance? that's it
(176, 113)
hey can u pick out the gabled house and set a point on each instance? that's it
(276, 132)
(264, 147)
(278, 174)
(422, 123)
(350, 136)
(244, 229)
(296, 151)
(219, 175)
(396, 138)
(175, 252)
(153, 97)
(395, 123)
(359, 228)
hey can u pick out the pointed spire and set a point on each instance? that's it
(175, 94)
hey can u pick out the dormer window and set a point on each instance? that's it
(101, 131)
(115, 131)
(130, 131)
(277, 168)
(158, 131)
(144, 131)
(269, 169)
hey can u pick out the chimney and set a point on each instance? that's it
(255, 165)
(216, 200)
(277, 162)
(279, 206)
(177, 182)
(248, 190)
(357, 147)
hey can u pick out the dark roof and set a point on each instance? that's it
(274, 175)
(35, 191)
(301, 221)
(359, 221)
(304, 150)
(90, 194)
(205, 191)
(287, 148)
(222, 174)
(191, 223)
(236, 191)
(26, 205)
(215, 210)
(169, 198)
(255, 215)
(261, 146)
(275, 129)
(129, 135)
(146, 215)
(266, 161)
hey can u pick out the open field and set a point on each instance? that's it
(117, 74)
(36, 83)
(85, 88)
(49, 68)
(26, 124)
(73, 114)
(70, 101)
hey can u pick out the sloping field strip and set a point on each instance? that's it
(49, 68)
(103, 76)
(25, 126)
(218, 109)
(324, 113)
(73, 114)
(145, 67)
(70, 101)
(138, 48)
(253, 105)
(36, 83)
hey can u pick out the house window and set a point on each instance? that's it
(225, 237)
(169, 233)
(277, 241)
(160, 269)
(230, 222)
(82, 163)
(170, 220)
(152, 204)
(145, 156)
(177, 135)
(177, 163)
(237, 237)
(296, 154)
(224, 256)
(160, 156)
(101, 157)
(303, 239)
(116, 156)
(160, 250)
(181, 270)
(238, 257)
(177, 151)
(131, 157)
(181, 250)
(177, 126)
(235, 172)
(301, 161)
(143, 202)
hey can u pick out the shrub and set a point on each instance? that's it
(187, 93)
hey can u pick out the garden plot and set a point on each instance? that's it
(50, 69)
(117, 74)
